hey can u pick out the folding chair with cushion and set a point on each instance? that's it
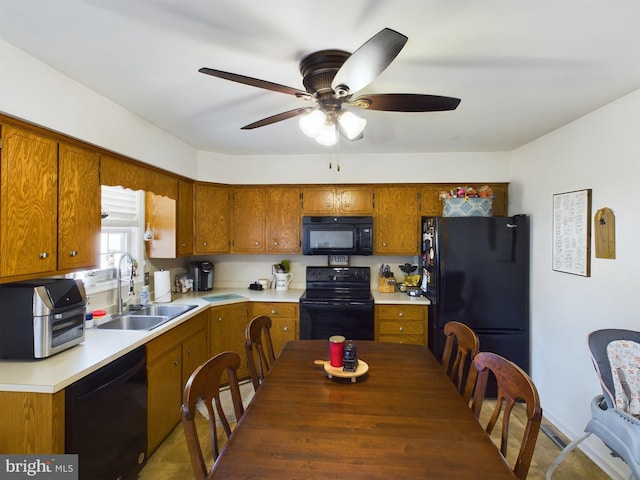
(615, 355)
(204, 384)
(459, 366)
(259, 348)
(514, 386)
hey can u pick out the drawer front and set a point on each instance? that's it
(399, 327)
(275, 309)
(410, 339)
(407, 312)
(158, 346)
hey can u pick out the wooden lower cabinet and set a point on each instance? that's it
(228, 323)
(285, 321)
(164, 378)
(171, 358)
(401, 324)
(32, 423)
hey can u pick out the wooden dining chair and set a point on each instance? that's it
(461, 346)
(259, 348)
(204, 384)
(514, 386)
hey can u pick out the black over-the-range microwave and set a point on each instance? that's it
(333, 235)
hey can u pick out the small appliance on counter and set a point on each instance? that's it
(202, 273)
(41, 317)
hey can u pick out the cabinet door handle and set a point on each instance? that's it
(257, 244)
(219, 319)
(204, 244)
(73, 253)
(401, 314)
(184, 245)
(275, 244)
(43, 255)
(401, 329)
(176, 363)
(189, 352)
(273, 312)
(285, 329)
(384, 244)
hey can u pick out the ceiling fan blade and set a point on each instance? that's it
(277, 118)
(254, 82)
(368, 61)
(405, 102)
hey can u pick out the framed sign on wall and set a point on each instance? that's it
(572, 232)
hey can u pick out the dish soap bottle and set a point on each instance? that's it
(144, 295)
(88, 317)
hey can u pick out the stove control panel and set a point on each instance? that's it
(342, 275)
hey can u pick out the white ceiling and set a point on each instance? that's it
(522, 68)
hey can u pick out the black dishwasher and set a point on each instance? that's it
(106, 419)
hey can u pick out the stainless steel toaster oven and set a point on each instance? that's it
(40, 318)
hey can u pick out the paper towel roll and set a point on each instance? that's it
(162, 286)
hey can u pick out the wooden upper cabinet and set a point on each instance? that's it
(136, 176)
(249, 207)
(211, 225)
(318, 200)
(160, 217)
(78, 208)
(395, 226)
(266, 220)
(431, 205)
(337, 200)
(28, 203)
(283, 220)
(500, 202)
(185, 218)
(355, 200)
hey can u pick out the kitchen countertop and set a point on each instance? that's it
(101, 347)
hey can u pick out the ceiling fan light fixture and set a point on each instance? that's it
(328, 134)
(312, 122)
(351, 124)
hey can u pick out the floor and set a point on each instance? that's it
(171, 460)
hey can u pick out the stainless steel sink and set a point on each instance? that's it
(165, 310)
(146, 318)
(131, 321)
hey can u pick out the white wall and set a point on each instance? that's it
(33, 91)
(600, 151)
(309, 169)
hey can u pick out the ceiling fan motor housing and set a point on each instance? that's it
(319, 68)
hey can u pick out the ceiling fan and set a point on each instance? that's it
(331, 77)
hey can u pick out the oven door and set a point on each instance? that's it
(322, 319)
(58, 331)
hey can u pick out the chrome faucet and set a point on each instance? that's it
(121, 302)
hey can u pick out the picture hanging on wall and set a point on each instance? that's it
(572, 232)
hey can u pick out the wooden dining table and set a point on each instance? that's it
(403, 419)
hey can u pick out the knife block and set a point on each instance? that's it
(387, 284)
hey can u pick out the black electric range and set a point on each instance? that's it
(337, 301)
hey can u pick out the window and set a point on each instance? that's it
(122, 226)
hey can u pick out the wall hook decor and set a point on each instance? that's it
(605, 233)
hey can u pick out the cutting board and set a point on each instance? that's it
(340, 373)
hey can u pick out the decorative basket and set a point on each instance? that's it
(468, 207)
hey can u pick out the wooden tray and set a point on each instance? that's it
(340, 373)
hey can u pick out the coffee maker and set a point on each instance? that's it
(202, 274)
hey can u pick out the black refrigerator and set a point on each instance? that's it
(475, 270)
